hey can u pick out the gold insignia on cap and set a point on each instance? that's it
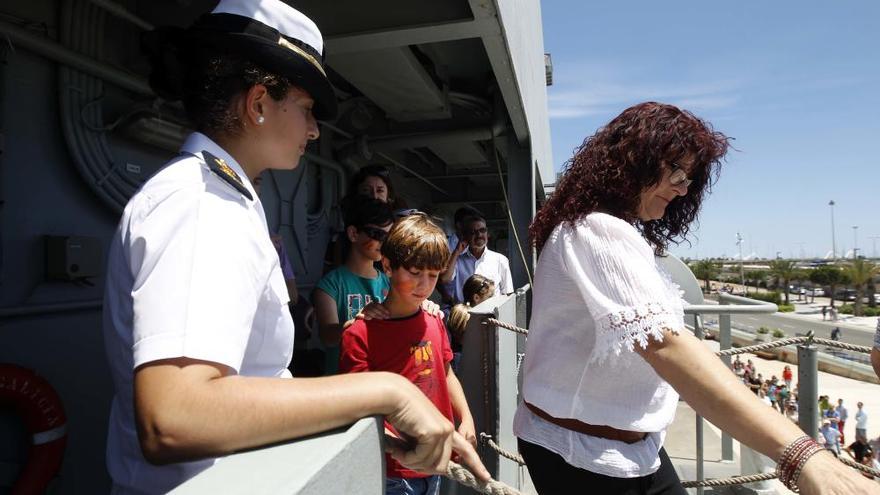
(302, 53)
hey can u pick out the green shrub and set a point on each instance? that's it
(763, 330)
(778, 333)
(869, 311)
(786, 308)
(846, 309)
(771, 297)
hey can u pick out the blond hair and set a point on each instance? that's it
(457, 322)
(416, 242)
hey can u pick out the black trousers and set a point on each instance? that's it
(553, 476)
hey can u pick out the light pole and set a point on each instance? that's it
(874, 245)
(855, 241)
(742, 273)
(833, 240)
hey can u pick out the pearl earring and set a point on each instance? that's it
(261, 119)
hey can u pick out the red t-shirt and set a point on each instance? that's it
(415, 347)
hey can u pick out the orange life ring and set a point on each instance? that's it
(37, 403)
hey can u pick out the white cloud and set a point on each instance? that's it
(588, 88)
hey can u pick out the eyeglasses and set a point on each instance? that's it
(679, 177)
(481, 230)
(374, 233)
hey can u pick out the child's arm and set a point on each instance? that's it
(460, 407)
(353, 352)
(329, 327)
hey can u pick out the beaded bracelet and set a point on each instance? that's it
(785, 466)
(814, 449)
(793, 459)
(791, 471)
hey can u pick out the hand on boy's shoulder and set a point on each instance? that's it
(432, 308)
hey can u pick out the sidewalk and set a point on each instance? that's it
(681, 439)
(813, 312)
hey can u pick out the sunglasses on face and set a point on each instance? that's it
(679, 177)
(374, 233)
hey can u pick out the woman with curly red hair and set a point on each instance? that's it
(608, 351)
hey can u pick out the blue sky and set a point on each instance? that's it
(796, 83)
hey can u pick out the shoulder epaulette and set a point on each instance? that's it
(225, 172)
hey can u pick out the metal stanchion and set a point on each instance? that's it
(808, 388)
(725, 342)
(699, 333)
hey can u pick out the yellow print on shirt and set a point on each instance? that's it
(422, 353)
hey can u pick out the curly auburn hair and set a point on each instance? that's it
(609, 171)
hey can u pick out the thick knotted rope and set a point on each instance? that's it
(503, 324)
(861, 467)
(487, 439)
(733, 480)
(460, 474)
(795, 340)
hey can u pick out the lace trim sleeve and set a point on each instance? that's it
(624, 328)
(630, 326)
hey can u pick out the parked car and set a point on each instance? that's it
(816, 291)
(845, 295)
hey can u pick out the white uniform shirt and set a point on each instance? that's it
(598, 293)
(192, 273)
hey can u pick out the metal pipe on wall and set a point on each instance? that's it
(66, 56)
(123, 13)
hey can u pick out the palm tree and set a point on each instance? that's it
(756, 277)
(861, 271)
(705, 270)
(829, 275)
(784, 271)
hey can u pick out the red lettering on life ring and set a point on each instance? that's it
(40, 407)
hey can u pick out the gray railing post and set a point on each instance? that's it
(699, 333)
(808, 388)
(725, 342)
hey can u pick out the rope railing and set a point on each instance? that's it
(487, 439)
(711, 482)
(861, 467)
(809, 339)
(462, 475)
(733, 480)
(795, 340)
(504, 324)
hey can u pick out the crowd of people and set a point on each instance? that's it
(781, 396)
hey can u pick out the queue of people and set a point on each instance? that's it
(199, 334)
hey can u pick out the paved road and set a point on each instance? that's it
(791, 326)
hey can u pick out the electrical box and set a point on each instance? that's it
(73, 257)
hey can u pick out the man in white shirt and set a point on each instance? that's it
(861, 423)
(471, 256)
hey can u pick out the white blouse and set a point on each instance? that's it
(598, 293)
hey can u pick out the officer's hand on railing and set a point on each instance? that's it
(823, 474)
(429, 438)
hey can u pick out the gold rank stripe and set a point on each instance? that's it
(299, 51)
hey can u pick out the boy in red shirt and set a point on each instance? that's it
(411, 343)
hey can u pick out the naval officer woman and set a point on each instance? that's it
(197, 330)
